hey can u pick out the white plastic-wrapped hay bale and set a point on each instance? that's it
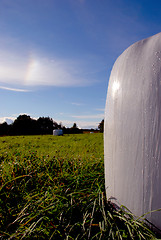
(133, 129)
(57, 132)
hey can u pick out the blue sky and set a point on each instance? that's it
(56, 55)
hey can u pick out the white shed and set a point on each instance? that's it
(133, 129)
(57, 132)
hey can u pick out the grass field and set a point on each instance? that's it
(53, 188)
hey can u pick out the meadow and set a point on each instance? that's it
(53, 188)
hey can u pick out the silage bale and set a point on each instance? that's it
(133, 129)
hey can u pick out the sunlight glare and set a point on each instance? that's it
(115, 88)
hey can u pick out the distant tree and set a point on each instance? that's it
(75, 130)
(46, 125)
(24, 125)
(74, 125)
(101, 126)
(59, 126)
(4, 129)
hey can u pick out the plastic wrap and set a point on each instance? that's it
(57, 132)
(132, 138)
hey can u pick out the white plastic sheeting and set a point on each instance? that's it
(57, 132)
(133, 129)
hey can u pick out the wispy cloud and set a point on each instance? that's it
(14, 89)
(87, 124)
(37, 70)
(96, 116)
(80, 124)
(68, 123)
(9, 120)
(77, 104)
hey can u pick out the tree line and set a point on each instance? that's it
(25, 125)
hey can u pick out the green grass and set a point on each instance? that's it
(53, 188)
